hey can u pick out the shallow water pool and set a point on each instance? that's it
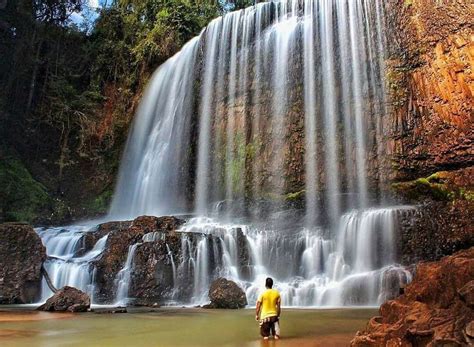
(178, 327)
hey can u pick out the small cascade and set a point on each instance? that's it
(153, 237)
(124, 276)
(173, 265)
(201, 270)
(67, 263)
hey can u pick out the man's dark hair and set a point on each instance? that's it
(269, 283)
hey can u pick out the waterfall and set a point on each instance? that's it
(282, 99)
(122, 282)
(156, 155)
(308, 268)
(66, 263)
(281, 86)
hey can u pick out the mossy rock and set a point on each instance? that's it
(438, 186)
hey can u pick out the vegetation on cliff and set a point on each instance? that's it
(21, 196)
(70, 90)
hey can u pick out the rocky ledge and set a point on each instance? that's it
(437, 308)
(147, 282)
(67, 299)
(21, 257)
(226, 294)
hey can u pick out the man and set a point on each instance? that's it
(268, 311)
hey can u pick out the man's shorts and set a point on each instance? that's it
(269, 325)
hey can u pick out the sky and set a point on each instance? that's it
(89, 12)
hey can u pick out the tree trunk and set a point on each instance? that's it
(63, 155)
(31, 92)
(48, 280)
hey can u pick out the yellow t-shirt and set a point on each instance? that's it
(269, 299)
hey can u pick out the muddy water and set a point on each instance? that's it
(178, 327)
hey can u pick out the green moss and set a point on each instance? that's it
(22, 198)
(438, 190)
(295, 196)
(100, 204)
(467, 195)
(435, 186)
(235, 168)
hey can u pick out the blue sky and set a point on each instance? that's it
(89, 11)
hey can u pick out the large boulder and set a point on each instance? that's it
(226, 294)
(67, 299)
(21, 257)
(436, 309)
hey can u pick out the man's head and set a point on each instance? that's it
(269, 283)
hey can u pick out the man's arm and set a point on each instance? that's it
(257, 310)
(278, 307)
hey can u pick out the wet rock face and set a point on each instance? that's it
(226, 294)
(21, 257)
(67, 299)
(243, 255)
(435, 310)
(91, 238)
(121, 236)
(153, 278)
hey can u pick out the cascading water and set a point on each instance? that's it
(282, 97)
(309, 269)
(261, 74)
(124, 276)
(67, 263)
(164, 129)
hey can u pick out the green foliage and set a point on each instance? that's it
(72, 91)
(140, 34)
(21, 197)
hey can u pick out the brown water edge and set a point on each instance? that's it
(179, 327)
(28, 316)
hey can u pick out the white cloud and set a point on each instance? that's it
(94, 3)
